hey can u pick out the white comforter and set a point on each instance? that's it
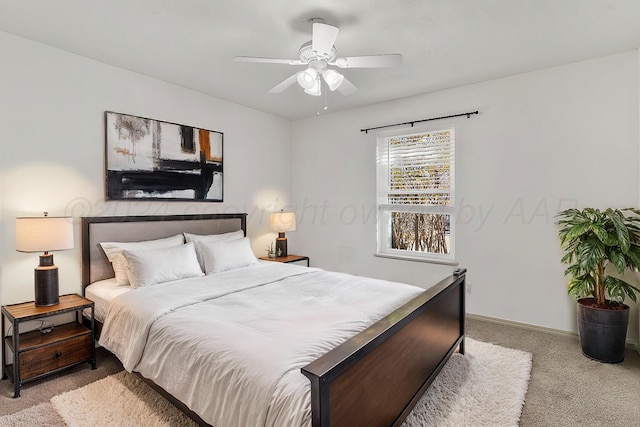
(231, 345)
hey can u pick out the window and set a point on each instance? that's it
(415, 175)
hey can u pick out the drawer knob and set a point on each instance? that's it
(58, 354)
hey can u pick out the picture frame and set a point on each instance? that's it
(149, 159)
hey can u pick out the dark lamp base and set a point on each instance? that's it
(46, 282)
(281, 245)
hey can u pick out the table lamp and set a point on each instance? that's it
(44, 234)
(282, 221)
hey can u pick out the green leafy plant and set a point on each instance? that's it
(271, 250)
(592, 240)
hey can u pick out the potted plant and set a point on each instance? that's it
(271, 252)
(593, 240)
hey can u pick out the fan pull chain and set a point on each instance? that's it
(326, 89)
(323, 92)
(318, 97)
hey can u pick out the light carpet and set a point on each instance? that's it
(484, 387)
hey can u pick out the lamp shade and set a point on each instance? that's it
(315, 90)
(307, 78)
(333, 79)
(43, 234)
(283, 221)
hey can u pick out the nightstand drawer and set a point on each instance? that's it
(54, 356)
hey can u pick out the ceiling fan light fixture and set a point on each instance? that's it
(333, 79)
(318, 54)
(307, 78)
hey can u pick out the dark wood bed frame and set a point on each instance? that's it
(373, 379)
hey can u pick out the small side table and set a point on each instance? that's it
(46, 351)
(287, 259)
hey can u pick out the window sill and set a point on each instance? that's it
(417, 259)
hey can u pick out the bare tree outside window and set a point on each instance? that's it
(420, 232)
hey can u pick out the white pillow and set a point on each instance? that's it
(234, 235)
(226, 255)
(113, 251)
(150, 266)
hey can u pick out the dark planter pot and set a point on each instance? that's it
(603, 333)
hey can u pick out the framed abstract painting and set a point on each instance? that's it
(156, 160)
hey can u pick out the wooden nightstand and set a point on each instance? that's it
(37, 353)
(288, 258)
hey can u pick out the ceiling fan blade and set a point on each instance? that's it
(268, 60)
(346, 88)
(369, 61)
(323, 38)
(285, 84)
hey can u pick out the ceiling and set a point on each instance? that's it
(444, 43)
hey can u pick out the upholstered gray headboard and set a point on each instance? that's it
(95, 265)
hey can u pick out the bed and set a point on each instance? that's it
(373, 377)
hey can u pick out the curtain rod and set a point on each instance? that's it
(419, 121)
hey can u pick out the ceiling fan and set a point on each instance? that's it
(318, 54)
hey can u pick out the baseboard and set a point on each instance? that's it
(634, 345)
(520, 324)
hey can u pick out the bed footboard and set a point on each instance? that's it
(378, 376)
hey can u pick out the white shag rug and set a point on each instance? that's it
(119, 400)
(484, 387)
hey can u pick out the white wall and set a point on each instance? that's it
(543, 141)
(52, 138)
